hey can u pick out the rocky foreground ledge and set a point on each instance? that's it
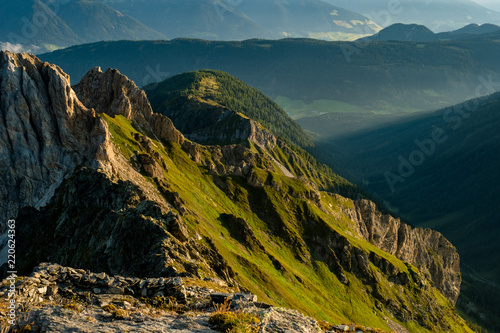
(62, 299)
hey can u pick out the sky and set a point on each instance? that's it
(492, 4)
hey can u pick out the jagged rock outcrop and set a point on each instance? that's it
(113, 93)
(45, 132)
(426, 249)
(229, 128)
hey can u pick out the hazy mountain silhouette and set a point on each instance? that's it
(438, 15)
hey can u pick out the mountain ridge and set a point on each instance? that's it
(439, 15)
(239, 20)
(296, 237)
(455, 184)
(383, 77)
(420, 33)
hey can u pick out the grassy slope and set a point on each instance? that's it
(307, 285)
(202, 90)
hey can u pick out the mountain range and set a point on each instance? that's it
(238, 20)
(194, 18)
(44, 25)
(369, 80)
(101, 183)
(288, 151)
(438, 15)
(436, 73)
(40, 26)
(420, 33)
(311, 19)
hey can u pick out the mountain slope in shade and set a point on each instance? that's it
(17, 25)
(237, 20)
(439, 15)
(476, 29)
(207, 19)
(308, 18)
(404, 33)
(45, 25)
(93, 22)
(440, 170)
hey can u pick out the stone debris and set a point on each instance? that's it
(63, 299)
(48, 280)
(219, 298)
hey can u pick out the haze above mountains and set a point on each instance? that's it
(439, 16)
(39, 26)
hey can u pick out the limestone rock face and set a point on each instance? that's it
(45, 132)
(113, 93)
(426, 249)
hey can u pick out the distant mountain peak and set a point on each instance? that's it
(403, 32)
(438, 15)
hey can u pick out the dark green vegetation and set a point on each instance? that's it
(440, 170)
(374, 78)
(237, 20)
(438, 15)
(197, 101)
(228, 92)
(42, 26)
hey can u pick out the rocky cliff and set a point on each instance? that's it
(114, 94)
(426, 249)
(135, 198)
(45, 132)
